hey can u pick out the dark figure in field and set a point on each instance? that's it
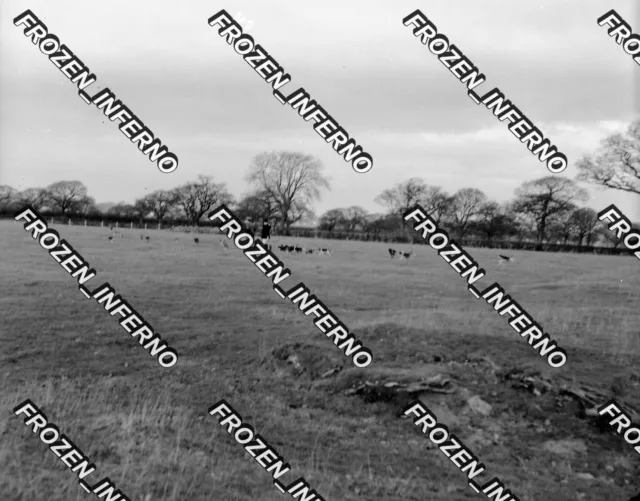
(265, 234)
(504, 259)
(196, 240)
(392, 253)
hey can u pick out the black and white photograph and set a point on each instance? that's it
(320, 251)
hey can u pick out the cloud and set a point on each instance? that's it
(362, 65)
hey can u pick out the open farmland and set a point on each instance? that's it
(147, 427)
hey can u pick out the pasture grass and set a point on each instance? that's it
(147, 427)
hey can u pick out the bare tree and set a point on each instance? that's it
(160, 202)
(616, 164)
(353, 217)
(257, 206)
(141, 209)
(84, 206)
(198, 197)
(524, 224)
(65, 193)
(298, 211)
(292, 180)
(437, 203)
(402, 196)
(494, 221)
(586, 222)
(331, 220)
(465, 206)
(35, 197)
(563, 226)
(383, 224)
(7, 196)
(547, 198)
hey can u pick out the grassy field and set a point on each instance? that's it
(147, 427)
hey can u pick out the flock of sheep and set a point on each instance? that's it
(303, 250)
(284, 248)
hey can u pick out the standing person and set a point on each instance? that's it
(266, 230)
(265, 234)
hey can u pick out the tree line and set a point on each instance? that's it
(284, 186)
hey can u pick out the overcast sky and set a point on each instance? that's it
(356, 59)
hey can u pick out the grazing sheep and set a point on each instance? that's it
(405, 255)
(392, 253)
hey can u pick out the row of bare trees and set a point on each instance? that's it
(543, 210)
(63, 196)
(285, 185)
(189, 201)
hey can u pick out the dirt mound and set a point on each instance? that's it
(386, 390)
(585, 398)
(398, 344)
(394, 386)
(302, 360)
